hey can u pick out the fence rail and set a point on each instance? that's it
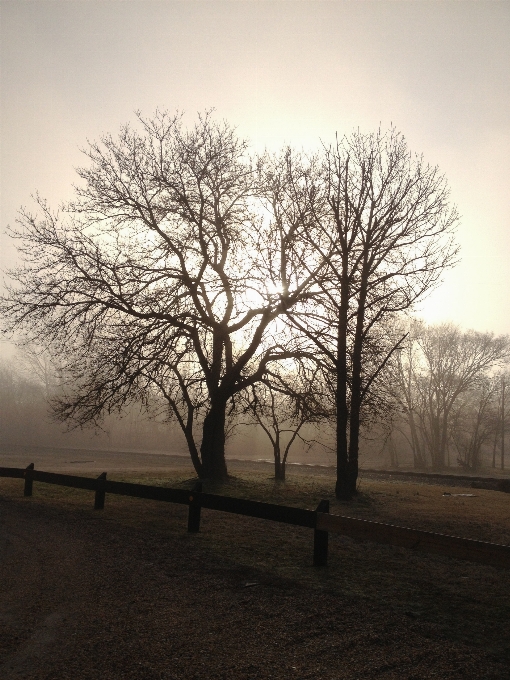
(320, 520)
(416, 539)
(489, 483)
(17, 473)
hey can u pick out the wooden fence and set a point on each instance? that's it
(489, 483)
(320, 520)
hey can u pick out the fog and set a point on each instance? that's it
(283, 72)
(294, 73)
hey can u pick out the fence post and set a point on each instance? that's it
(320, 540)
(100, 492)
(194, 508)
(28, 480)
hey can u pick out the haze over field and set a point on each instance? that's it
(283, 72)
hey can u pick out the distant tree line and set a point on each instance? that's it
(28, 384)
(448, 387)
(451, 393)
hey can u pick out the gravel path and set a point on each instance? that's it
(83, 598)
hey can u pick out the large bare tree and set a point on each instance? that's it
(164, 274)
(385, 226)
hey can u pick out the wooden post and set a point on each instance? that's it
(320, 540)
(100, 492)
(28, 480)
(194, 509)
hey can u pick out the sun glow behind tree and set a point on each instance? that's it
(188, 268)
(149, 278)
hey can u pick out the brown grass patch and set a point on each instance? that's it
(469, 602)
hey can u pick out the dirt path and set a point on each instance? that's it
(84, 598)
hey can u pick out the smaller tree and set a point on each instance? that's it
(474, 421)
(282, 405)
(38, 364)
(502, 420)
(403, 385)
(22, 407)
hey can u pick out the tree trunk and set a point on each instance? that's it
(443, 442)
(279, 468)
(496, 438)
(342, 412)
(393, 452)
(355, 419)
(435, 442)
(503, 423)
(342, 421)
(195, 458)
(356, 388)
(418, 457)
(213, 444)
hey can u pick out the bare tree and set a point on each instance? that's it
(474, 421)
(443, 385)
(383, 222)
(456, 362)
(404, 378)
(37, 363)
(503, 428)
(502, 420)
(283, 404)
(22, 407)
(164, 274)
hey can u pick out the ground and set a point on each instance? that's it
(127, 593)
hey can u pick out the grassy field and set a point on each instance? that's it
(463, 601)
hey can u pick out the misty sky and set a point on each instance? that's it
(283, 72)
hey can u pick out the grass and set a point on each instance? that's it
(458, 599)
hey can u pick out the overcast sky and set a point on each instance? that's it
(283, 72)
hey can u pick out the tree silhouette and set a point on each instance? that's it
(164, 273)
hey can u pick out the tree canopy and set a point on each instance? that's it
(186, 267)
